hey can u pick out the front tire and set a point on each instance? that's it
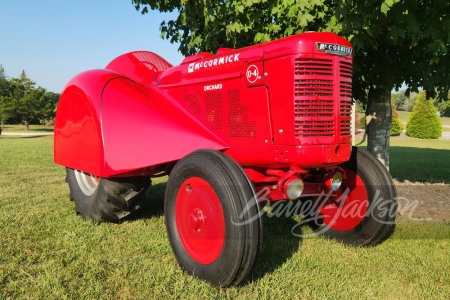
(103, 199)
(212, 218)
(364, 213)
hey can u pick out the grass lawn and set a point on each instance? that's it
(445, 120)
(419, 160)
(46, 251)
(22, 128)
(404, 116)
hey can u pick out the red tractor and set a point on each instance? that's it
(263, 123)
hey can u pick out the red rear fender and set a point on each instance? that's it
(139, 66)
(78, 138)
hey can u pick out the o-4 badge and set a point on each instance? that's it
(334, 49)
(252, 74)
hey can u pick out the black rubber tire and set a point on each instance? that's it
(376, 225)
(113, 199)
(235, 192)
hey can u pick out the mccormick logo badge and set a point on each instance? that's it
(334, 49)
(213, 62)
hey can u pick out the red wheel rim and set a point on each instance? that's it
(342, 213)
(200, 221)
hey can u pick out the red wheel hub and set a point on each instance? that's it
(200, 221)
(345, 213)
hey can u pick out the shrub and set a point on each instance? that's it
(423, 122)
(444, 108)
(357, 121)
(362, 121)
(396, 127)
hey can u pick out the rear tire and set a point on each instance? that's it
(367, 216)
(212, 218)
(102, 199)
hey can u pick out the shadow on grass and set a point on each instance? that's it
(21, 137)
(420, 164)
(278, 245)
(154, 203)
(23, 129)
(42, 130)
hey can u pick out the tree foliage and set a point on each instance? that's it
(423, 122)
(21, 100)
(403, 102)
(444, 108)
(5, 103)
(399, 99)
(4, 83)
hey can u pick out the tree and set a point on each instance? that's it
(423, 122)
(444, 108)
(394, 41)
(5, 103)
(6, 109)
(411, 101)
(25, 98)
(46, 106)
(4, 83)
(53, 96)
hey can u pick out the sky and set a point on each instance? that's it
(54, 40)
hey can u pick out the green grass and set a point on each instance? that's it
(33, 128)
(46, 251)
(404, 116)
(445, 120)
(419, 160)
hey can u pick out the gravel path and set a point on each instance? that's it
(423, 201)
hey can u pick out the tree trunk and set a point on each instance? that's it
(3, 123)
(27, 126)
(378, 120)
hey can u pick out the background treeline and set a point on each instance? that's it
(405, 103)
(22, 102)
(422, 115)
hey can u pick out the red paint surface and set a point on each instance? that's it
(345, 213)
(292, 113)
(78, 136)
(200, 221)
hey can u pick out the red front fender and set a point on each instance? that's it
(142, 126)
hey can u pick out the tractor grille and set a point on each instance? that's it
(314, 105)
(318, 100)
(345, 97)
